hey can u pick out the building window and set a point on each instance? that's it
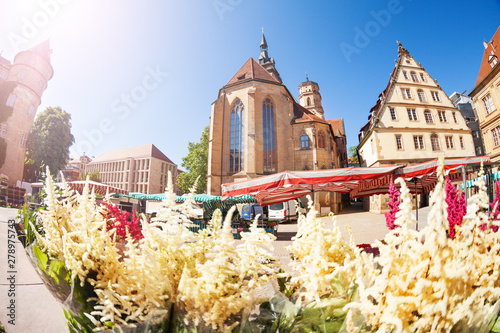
(393, 114)
(269, 136)
(399, 142)
(418, 141)
(479, 151)
(493, 60)
(414, 76)
(11, 100)
(21, 74)
(442, 116)
(435, 142)
(435, 96)
(475, 134)
(3, 130)
(308, 101)
(236, 145)
(321, 140)
(406, 93)
(3, 74)
(428, 117)
(421, 95)
(31, 110)
(495, 137)
(24, 137)
(454, 117)
(412, 114)
(405, 75)
(304, 141)
(488, 104)
(422, 76)
(449, 142)
(461, 139)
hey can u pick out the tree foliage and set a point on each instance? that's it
(353, 154)
(49, 141)
(93, 175)
(195, 164)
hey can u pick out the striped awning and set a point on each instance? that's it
(359, 182)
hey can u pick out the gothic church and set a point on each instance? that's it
(258, 128)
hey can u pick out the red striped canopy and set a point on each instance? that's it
(359, 182)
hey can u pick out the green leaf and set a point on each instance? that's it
(41, 257)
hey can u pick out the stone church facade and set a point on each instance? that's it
(258, 128)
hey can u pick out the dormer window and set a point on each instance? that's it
(493, 60)
(241, 77)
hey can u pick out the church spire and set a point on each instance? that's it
(264, 57)
(265, 60)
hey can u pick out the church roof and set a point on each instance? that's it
(133, 152)
(492, 49)
(302, 115)
(337, 126)
(251, 70)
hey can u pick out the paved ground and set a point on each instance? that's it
(37, 311)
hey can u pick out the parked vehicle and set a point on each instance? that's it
(285, 211)
(249, 212)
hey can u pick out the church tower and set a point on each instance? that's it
(265, 61)
(310, 98)
(28, 76)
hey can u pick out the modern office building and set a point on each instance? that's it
(137, 169)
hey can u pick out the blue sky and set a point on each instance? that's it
(133, 73)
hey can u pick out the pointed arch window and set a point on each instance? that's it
(304, 141)
(236, 148)
(321, 140)
(269, 136)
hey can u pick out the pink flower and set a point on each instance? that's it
(456, 208)
(390, 217)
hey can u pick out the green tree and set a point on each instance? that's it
(195, 164)
(353, 154)
(49, 142)
(93, 175)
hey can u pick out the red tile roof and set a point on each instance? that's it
(337, 126)
(492, 49)
(251, 70)
(301, 114)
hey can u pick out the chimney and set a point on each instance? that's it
(485, 45)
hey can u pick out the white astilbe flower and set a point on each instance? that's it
(319, 255)
(223, 285)
(429, 282)
(127, 285)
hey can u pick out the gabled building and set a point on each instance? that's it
(136, 169)
(258, 128)
(22, 84)
(412, 121)
(468, 110)
(486, 97)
